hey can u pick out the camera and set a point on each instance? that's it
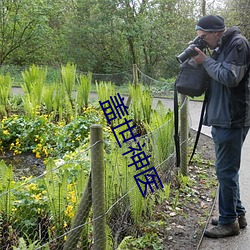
(190, 51)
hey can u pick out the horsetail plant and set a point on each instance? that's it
(56, 184)
(161, 128)
(33, 85)
(5, 89)
(141, 103)
(6, 184)
(68, 74)
(48, 98)
(83, 91)
(105, 90)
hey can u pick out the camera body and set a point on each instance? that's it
(190, 51)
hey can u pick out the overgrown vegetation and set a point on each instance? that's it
(35, 211)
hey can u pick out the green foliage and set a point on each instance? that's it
(34, 81)
(6, 184)
(29, 245)
(5, 90)
(105, 90)
(161, 126)
(184, 181)
(23, 25)
(103, 36)
(164, 193)
(147, 241)
(43, 137)
(83, 91)
(30, 206)
(141, 103)
(68, 74)
(56, 187)
(48, 98)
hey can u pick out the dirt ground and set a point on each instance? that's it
(187, 222)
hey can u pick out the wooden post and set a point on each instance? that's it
(135, 74)
(98, 195)
(184, 135)
(80, 218)
(135, 82)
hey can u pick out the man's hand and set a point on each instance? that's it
(200, 58)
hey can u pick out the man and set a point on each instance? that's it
(228, 112)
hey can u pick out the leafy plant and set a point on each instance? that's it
(68, 74)
(30, 208)
(83, 91)
(48, 98)
(141, 103)
(147, 241)
(22, 245)
(34, 81)
(5, 90)
(105, 90)
(161, 128)
(6, 184)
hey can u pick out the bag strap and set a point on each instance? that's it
(176, 126)
(199, 127)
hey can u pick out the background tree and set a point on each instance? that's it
(21, 25)
(105, 36)
(237, 13)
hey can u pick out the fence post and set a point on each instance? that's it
(80, 218)
(135, 74)
(135, 82)
(184, 135)
(98, 195)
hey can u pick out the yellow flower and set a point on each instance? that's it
(31, 187)
(73, 199)
(17, 152)
(6, 132)
(38, 155)
(45, 151)
(69, 211)
(37, 196)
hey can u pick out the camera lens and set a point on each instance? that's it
(190, 51)
(187, 53)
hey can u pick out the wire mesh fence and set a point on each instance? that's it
(57, 209)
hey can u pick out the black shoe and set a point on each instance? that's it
(221, 231)
(241, 219)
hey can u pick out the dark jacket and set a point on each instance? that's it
(228, 103)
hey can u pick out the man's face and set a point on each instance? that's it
(211, 38)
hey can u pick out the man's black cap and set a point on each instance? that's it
(210, 23)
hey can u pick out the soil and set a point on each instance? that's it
(187, 222)
(25, 164)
